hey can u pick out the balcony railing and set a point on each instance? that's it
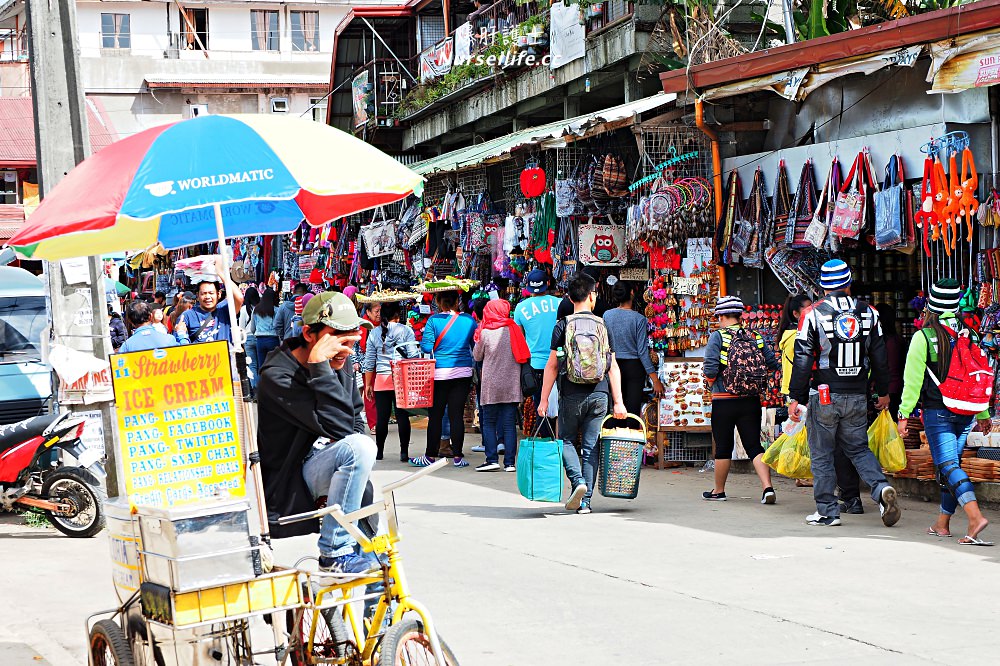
(13, 45)
(602, 14)
(378, 88)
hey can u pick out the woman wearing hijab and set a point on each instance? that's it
(501, 347)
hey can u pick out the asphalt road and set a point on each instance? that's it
(664, 579)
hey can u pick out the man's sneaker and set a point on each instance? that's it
(888, 507)
(510, 468)
(460, 462)
(584, 509)
(573, 503)
(352, 563)
(852, 506)
(479, 448)
(501, 448)
(823, 521)
(713, 497)
(488, 467)
(768, 497)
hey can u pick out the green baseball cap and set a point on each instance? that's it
(335, 310)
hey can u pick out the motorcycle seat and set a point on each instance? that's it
(15, 433)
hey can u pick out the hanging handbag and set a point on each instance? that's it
(803, 208)
(781, 210)
(889, 208)
(849, 215)
(815, 233)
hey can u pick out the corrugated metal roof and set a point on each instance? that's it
(551, 135)
(17, 130)
(11, 219)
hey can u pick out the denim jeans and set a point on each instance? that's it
(946, 435)
(582, 413)
(500, 419)
(340, 471)
(265, 345)
(841, 424)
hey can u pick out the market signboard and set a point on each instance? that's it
(178, 436)
(436, 61)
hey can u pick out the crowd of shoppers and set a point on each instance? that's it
(832, 355)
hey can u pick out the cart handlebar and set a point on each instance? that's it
(348, 520)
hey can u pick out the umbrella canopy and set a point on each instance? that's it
(115, 287)
(168, 184)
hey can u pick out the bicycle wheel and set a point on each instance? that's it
(108, 646)
(330, 642)
(406, 644)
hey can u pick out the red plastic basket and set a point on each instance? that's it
(413, 380)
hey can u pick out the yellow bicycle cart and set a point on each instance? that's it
(195, 592)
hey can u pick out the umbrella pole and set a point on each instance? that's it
(250, 426)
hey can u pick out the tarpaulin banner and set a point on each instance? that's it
(436, 61)
(566, 34)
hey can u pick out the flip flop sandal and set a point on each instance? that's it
(973, 541)
(932, 532)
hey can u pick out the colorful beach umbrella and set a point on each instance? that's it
(198, 180)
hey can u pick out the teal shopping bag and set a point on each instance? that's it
(540, 468)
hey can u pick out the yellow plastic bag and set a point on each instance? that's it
(789, 455)
(886, 444)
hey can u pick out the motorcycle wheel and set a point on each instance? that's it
(80, 488)
(108, 646)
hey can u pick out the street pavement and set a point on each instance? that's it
(664, 579)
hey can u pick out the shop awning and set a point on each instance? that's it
(781, 63)
(255, 82)
(970, 61)
(552, 135)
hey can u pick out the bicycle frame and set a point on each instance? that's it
(392, 575)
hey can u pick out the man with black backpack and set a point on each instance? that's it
(737, 366)
(838, 345)
(582, 357)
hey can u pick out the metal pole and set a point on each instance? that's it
(401, 65)
(63, 141)
(250, 426)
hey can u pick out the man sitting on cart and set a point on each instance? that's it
(311, 420)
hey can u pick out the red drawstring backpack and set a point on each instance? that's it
(969, 385)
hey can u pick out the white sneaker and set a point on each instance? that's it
(479, 448)
(488, 467)
(576, 497)
(822, 521)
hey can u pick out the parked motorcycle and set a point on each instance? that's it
(32, 475)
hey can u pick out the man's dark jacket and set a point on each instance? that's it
(296, 405)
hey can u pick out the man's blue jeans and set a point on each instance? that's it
(582, 413)
(340, 471)
(946, 435)
(500, 419)
(841, 424)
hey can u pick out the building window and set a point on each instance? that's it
(318, 107)
(430, 31)
(264, 30)
(305, 31)
(279, 105)
(195, 110)
(194, 29)
(116, 31)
